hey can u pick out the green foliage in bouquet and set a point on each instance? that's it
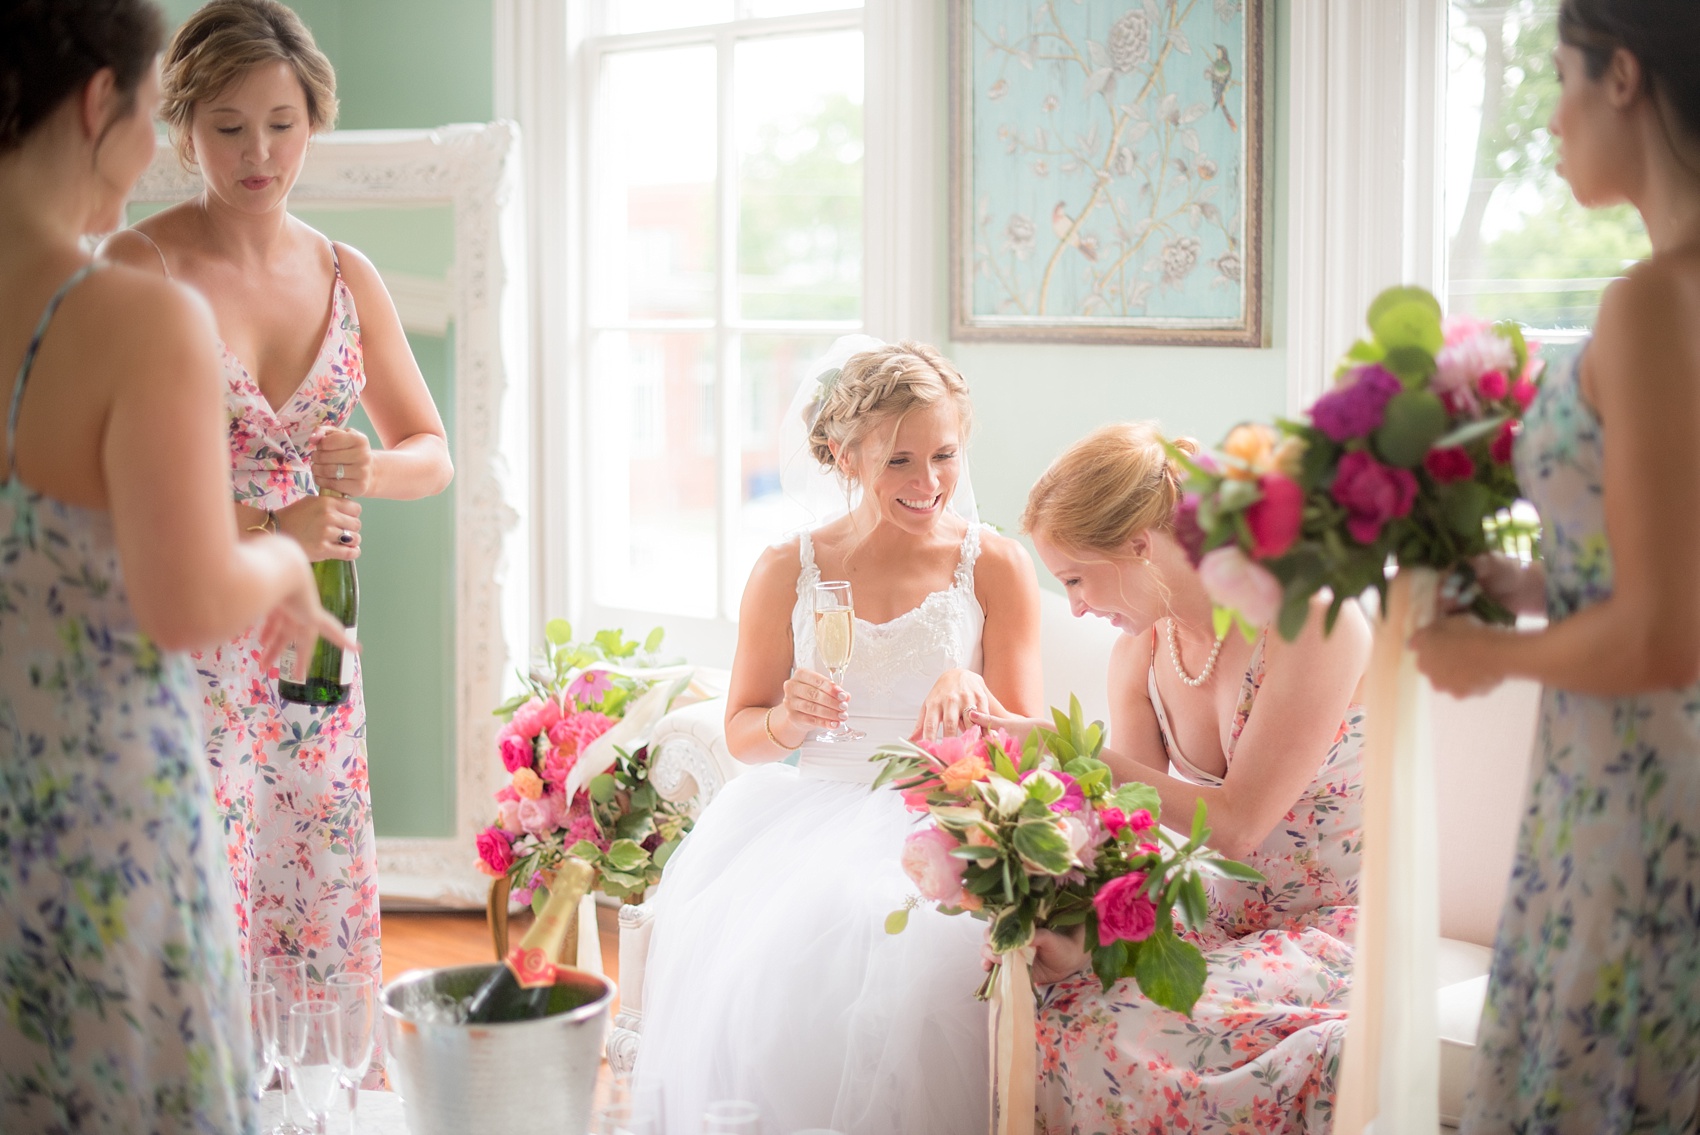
(1407, 459)
(1036, 836)
(610, 815)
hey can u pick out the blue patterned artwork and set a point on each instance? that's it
(1107, 171)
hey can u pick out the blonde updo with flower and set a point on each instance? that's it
(1110, 486)
(876, 388)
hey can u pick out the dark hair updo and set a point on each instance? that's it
(1663, 35)
(50, 49)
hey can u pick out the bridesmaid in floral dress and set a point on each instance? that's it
(1592, 1021)
(1269, 735)
(307, 330)
(121, 1000)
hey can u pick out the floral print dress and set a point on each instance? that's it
(291, 780)
(121, 1003)
(1261, 1051)
(1592, 1021)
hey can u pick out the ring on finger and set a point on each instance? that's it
(339, 472)
(347, 537)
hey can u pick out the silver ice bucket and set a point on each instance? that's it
(520, 1078)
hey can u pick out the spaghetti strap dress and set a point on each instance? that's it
(1261, 1051)
(291, 780)
(122, 1008)
(1592, 1020)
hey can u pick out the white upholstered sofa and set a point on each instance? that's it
(1481, 751)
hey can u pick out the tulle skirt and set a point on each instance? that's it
(771, 978)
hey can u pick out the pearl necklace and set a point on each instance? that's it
(1175, 657)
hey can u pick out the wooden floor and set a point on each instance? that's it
(424, 941)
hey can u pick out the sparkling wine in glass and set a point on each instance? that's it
(355, 996)
(315, 1053)
(835, 641)
(288, 976)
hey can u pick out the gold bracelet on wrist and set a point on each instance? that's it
(269, 524)
(767, 727)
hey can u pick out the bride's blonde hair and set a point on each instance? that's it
(882, 385)
(1110, 486)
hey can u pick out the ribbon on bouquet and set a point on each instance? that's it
(1014, 1044)
(1390, 1072)
(670, 686)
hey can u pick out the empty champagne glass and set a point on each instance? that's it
(835, 640)
(315, 1057)
(355, 996)
(262, 1015)
(288, 977)
(733, 1117)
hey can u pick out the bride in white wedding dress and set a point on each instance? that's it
(770, 976)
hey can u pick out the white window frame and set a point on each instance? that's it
(547, 66)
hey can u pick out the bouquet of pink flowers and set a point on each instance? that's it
(1035, 836)
(573, 746)
(1408, 457)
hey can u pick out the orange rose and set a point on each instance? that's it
(1252, 446)
(528, 784)
(963, 773)
(970, 901)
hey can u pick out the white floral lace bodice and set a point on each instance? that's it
(894, 665)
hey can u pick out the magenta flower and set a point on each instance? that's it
(1372, 494)
(1493, 384)
(1274, 519)
(535, 716)
(1124, 913)
(1072, 801)
(1187, 532)
(495, 851)
(1504, 442)
(517, 752)
(1449, 464)
(1356, 407)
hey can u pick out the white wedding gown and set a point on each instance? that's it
(770, 976)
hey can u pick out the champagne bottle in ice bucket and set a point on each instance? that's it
(519, 989)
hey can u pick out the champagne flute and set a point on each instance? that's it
(315, 1052)
(835, 640)
(732, 1117)
(288, 976)
(262, 1014)
(355, 996)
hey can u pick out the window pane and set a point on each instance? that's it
(655, 15)
(771, 366)
(799, 131)
(655, 199)
(653, 495)
(793, 7)
(1521, 247)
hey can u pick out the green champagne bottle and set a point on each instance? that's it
(323, 675)
(520, 989)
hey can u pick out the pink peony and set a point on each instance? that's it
(1274, 520)
(928, 862)
(1237, 582)
(517, 752)
(557, 765)
(1464, 359)
(576, 730)
(1493, 384)
(1372, 493)
(1357, 406)
(535, 716)
(1124, 913)
(507, 814)
(1449, 464)
(495, 851)
(1504, 442)
(536, 817)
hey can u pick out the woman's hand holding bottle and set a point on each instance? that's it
(298, 617)
(326, 526)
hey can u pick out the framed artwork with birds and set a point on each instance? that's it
(1107, 171)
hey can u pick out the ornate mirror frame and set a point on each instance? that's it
(474, 168)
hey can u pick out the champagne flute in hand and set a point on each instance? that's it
(835, 639)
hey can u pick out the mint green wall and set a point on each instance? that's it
(405, 64)
(1032, 400)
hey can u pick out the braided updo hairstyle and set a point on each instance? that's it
(1110, 486)
(50, 49)
(878, 387)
